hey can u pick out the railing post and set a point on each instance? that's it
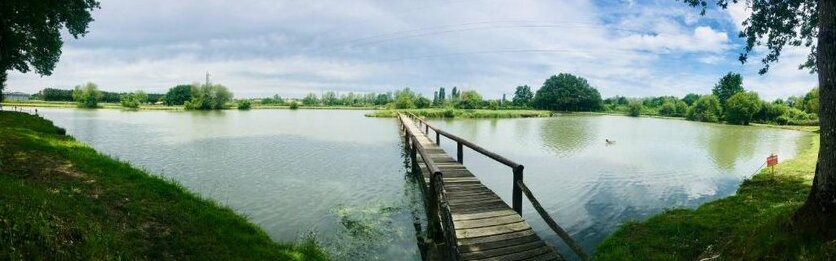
(437, 138)
(516, 192)
(426, 128)
(459, 152)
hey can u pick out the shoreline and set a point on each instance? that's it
(65, 200)
(750, 224)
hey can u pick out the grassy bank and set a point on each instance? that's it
(459, 113)
(102, 105)
(754, 224)
(60, 199)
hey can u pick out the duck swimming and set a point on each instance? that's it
(609, 142)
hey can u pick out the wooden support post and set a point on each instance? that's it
(459, 152)
(426, 128)
(516, 192)
(437, 138)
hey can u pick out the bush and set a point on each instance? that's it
(469, 100)
(178, 95)
(133, 100)
(87, 96)
(244, 104)
(668, 109)
(706, 108)
(422, 103)
(741, 107)
(635, 109)
(294, 105)
(208, 97)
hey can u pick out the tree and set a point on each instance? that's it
(522, 96)
(707, 108)
(812, 24)
(404, 99)
(566, 92)
(30, 33)
(208, 97)
(87, 96)
(244, 104)
(728, 86)
(811, 101)
(178, 95)
(50, 94)
(330, 98)
(469, 100)
(422, 102)
(635, 109)
(133, 100)
(442, 96)
(310, 99)
(690, 98)
(668, 108)
(741, 107)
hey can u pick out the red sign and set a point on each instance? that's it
(772, 160)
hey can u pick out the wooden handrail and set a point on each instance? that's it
(516, 194)
(439, 205)
(469, 144)
(552, 224)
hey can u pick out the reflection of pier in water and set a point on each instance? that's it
(466, 219)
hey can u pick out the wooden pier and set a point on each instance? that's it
(468, 221)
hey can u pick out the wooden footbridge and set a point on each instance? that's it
(468, 221)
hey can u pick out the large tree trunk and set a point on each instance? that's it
(821, 203)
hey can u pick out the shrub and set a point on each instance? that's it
(422, 103)
(294, 105)
(635, 109)
(87, 96)
(706, 108)
(244, 104)
(469, 100)
(133, 100)
(668, 109)
(208, 97)
(741, 107)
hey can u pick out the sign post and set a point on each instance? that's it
(771, 161)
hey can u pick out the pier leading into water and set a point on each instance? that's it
(468, 221)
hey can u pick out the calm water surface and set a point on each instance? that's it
(342, 176)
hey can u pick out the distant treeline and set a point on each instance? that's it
(728, 101)
(52, 94)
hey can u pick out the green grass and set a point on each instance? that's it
(102, 105)
(754, 224)
(60, 199)
(460, 113)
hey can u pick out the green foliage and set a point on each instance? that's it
(178, 95)
(294, 105)
(208, 97)
(690, 98)
(742, 107)
(133, 100)
(30, 33)
(707, 109)
(244, 104)
(522, 96)
(87, 95)
(461, 113)
(310, 100)
(404, 99)
(668, 108)
(422, 103)
(566, 92)
(50, 94)
(728, 86)
(469, 100)
(275, 100)
(98, 208)
(493, 105)
(635, 109)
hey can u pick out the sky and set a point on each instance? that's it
(259, 48)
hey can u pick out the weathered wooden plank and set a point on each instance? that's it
(492, 230)
(524, 254)
(501, 212)
(499, 241)
(485, 222)
(503, 251)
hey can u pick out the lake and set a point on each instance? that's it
(341, 177)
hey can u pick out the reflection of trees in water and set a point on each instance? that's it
(566, 134)
(727, 144)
